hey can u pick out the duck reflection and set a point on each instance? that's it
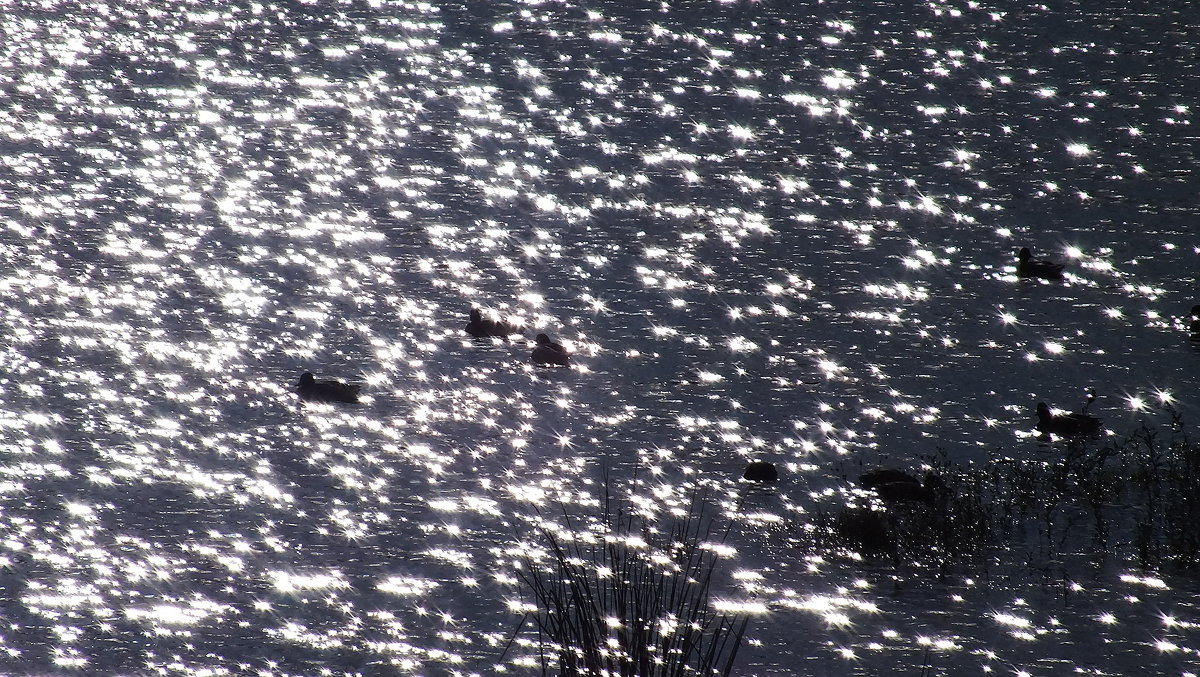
(309, 388)
(547, 352)
(1027, 266)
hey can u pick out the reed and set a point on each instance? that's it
(623, 593)
(1134, 497)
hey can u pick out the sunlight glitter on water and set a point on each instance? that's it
(759, 233)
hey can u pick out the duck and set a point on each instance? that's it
(1027, 266)
(761, 471)
(481, 327)
(897, 486)
(313, 390)
(1194, 325)
(547, 352)
(1067, 425)
(879, 476)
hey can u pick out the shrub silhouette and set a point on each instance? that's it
(627, 595)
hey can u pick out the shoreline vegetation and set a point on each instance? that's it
(1131, 500)
(623, 586)
(630, 592)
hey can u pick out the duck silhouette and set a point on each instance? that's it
(897, 486)
(482, 327)
(878, 476)
(1067, 425)
(1027, 266)
(547, 352)
(1194, 325)
(313, 390)
(761, 471)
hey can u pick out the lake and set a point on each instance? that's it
(763, 231)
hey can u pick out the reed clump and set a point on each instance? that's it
(1133, 499)
(631, 593)
(955, 530)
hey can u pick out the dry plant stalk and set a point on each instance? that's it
(626, 598)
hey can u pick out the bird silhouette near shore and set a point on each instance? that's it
(1081, 424)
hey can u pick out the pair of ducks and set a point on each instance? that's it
(545, 351)
(1049, 423)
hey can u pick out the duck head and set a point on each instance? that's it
(1024, 254)
(307, 379)
(543, 340)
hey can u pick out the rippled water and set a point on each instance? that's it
(765, 231)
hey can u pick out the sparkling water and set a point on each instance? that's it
(764, 231)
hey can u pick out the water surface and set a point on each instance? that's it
(765, 232)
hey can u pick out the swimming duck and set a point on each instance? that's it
(481, 327)
(311, 389)
(1027, 266)
(878, 476)
(1067, 425)
(547, 352)
(1194, 326)
(897, 486)
(761, 471)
